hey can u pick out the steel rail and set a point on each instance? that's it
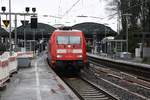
(87, 90)
(133, 68)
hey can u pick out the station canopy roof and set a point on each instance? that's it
(3, 32)
(90, 28)
(42, 30)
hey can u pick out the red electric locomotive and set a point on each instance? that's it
(67, 49)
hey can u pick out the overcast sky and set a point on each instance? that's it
(91, 8)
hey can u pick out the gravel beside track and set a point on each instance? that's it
(111, 85)
(86, 90)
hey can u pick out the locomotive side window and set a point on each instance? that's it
(68, 40)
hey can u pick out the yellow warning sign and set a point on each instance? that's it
(6, 23)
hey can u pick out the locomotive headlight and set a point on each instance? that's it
(69, 46)
(77, 51)
(59, 56)
(61, 51)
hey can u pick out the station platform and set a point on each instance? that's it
(37, 82)
(123, 61)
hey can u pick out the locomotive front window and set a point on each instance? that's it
(62, 40)
(68, 40)
(75, 40)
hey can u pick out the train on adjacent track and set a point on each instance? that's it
(67, 50)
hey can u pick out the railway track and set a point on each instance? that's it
(102, 82)
(88, 91)
(134, 69)
(119, 83)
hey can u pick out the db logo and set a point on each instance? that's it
(69, 51)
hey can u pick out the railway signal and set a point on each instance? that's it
(3, 9)
(6, 23)
(34, 22)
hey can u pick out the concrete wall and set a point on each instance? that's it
(146, 52)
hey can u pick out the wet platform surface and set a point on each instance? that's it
(37, 82)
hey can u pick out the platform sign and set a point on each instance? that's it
(6, 23)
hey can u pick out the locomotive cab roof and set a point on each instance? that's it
(67, 29)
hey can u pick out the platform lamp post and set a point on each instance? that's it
(27, 9)
(16, 43)
(143, 29)
(3, 9)
(105, 37)
(10, 44)
(10, 28)
(127, 37)
(34, 25)
(42, 40)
